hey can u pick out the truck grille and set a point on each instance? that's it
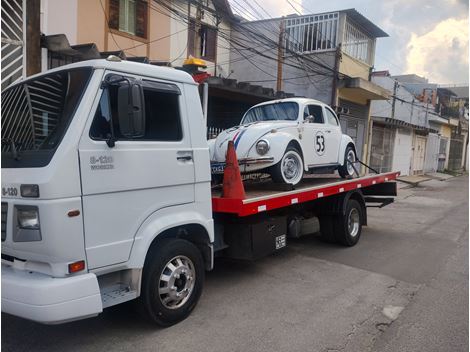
(4, 220)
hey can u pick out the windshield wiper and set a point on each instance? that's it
(12, 144)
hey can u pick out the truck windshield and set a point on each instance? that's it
(269, 112)
(36, 114)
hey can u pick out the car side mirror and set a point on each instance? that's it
(310, 119)
(131, 112)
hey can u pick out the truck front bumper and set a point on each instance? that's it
(49, 300)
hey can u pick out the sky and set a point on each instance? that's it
(426, 37)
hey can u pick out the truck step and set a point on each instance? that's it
(117, 294)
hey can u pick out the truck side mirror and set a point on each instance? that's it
(131, 111)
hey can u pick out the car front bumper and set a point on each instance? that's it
(49, 300)
(218, 167)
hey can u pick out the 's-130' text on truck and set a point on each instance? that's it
(106, 196)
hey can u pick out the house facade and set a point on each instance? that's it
(156, 32)
(410, 134)
(325, 56)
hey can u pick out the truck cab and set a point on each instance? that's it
(105, 192)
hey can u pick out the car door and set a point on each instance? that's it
(124, 184)
(333, 135)
(314, 138)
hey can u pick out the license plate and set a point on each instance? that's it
(280, 241)
(217, 168)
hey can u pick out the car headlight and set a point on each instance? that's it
(262, 147)
(28, 217)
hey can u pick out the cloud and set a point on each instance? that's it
(441, 55)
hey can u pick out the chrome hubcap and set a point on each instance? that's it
(291, 168)
(176, 282)
(351, 158)
(353, 222)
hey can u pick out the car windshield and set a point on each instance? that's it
(36, 114)
(270, 112)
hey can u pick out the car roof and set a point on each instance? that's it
(130, 67)
(294, 100)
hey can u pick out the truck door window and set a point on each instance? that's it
(162, 114)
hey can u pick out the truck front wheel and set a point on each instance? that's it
(172, 281)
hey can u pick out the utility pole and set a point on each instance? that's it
(280, 54)
(197, 31)
(395, 87)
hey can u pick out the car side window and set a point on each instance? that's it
(332, 119)
(162, 114)
(315, 111)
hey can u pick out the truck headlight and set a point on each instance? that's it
(262, 147)
(28, 217)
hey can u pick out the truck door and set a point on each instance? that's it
(123, 184)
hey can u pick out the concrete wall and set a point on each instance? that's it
(59, 16)
(414, 114)
(353, 67)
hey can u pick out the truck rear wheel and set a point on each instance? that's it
(172, 282)
(343, 228)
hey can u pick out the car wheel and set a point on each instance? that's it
(290, 169)
(347, 169)
(172, 282)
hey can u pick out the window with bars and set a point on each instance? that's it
(305, 34)
(129, 16)
(357, 44)
(36, 115)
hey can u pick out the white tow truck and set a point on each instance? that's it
(107, 197)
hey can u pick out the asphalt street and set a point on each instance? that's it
(404, 287)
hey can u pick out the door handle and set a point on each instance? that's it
(184, 158)
(328, 131)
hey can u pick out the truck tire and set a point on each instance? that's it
(348, 226)
(346, 170)
(172, 282)
(344, 229)
(290, 169)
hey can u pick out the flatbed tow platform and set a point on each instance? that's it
(263, 196)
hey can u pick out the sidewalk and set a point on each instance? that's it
(414, 180)
(439, 176)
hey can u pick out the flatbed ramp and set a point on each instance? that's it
(264, 196)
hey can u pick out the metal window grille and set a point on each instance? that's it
(32, 110)
(357, 44)
(312, 33)
(12, 41)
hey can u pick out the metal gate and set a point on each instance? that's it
(354, 124)
(432, 153)
(455, 153)
(381, 151)
(12, 41)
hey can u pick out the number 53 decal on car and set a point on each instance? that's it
(320, 143)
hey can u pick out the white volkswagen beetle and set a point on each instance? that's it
(286, 138)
